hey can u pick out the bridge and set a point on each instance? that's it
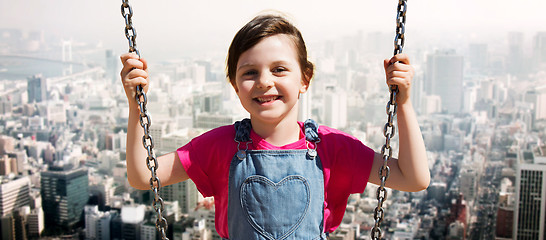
(26, 57)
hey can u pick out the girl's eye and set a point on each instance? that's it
(279, 70)
(250, 73)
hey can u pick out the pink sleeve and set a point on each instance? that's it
(195, 168)
(206, 159)
(362, 159)
(349, 160)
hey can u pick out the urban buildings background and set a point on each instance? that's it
(481, 107)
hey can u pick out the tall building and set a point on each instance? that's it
(148, 230)
(7, 144)
(505, 215)
(7, 227)
(19, 159)
(457, 218)
(468, 183)
(335, 107)
(540, 105)
(184, 192)
(20, 217)
(14, 194)
(537, 99)
(477, 56)
(470, 96)
(37, 89)
(207, 102)
(530, 212)
(97, 224)
(539, 48)
(102, 190)
(131, 218)
(64, 192)
(6, 105)
(444, 77)
(36, 222)
(116, 141)
(7, 165)
(111, 66)
(515, 62)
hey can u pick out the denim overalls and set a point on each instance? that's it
(275, 194)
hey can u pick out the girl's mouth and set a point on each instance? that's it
(267, 99)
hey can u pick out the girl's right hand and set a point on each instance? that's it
(133, 73)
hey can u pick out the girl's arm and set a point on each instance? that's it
(410, 171)
(170, 170)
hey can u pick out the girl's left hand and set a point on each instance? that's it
(398, 71)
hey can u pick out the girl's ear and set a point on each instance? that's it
(304, 87)
(306, 80)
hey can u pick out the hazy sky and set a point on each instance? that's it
(206, 24)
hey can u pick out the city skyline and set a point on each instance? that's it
(178, 29)
(480, 100)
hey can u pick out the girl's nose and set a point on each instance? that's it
(264, 80)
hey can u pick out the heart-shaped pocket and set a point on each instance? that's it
(275, 210)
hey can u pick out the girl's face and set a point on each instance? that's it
(269, 79)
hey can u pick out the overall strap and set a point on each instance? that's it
(242, 134)
(243, 127)
(311, 135)
(311, 131)
(242, 130)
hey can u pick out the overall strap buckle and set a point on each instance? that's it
(311, 135)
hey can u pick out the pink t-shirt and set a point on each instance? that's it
(345, 160)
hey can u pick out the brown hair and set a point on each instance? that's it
(259, 28)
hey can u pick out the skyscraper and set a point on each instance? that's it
(64, 192)
(540, 105)
(36, 88)
(36, 222)
(477, 56)
(97, 224)
(515, 62)
(444, 77)
(184, 192)
(530, 212)
(111, 66)
(536, 98)
(539, 48)
(335, 107)
(14, 194)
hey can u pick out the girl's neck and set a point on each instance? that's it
(277, 133)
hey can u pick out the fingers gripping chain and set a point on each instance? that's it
(145, 122)
(389, 129)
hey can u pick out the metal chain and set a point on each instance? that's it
(389, 129)
(145, 122)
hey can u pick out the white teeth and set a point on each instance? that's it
(266, 99)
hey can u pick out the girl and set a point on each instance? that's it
(271, 176)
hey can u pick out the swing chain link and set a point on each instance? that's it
(389, 129)
(145, 122)
(130, 31)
